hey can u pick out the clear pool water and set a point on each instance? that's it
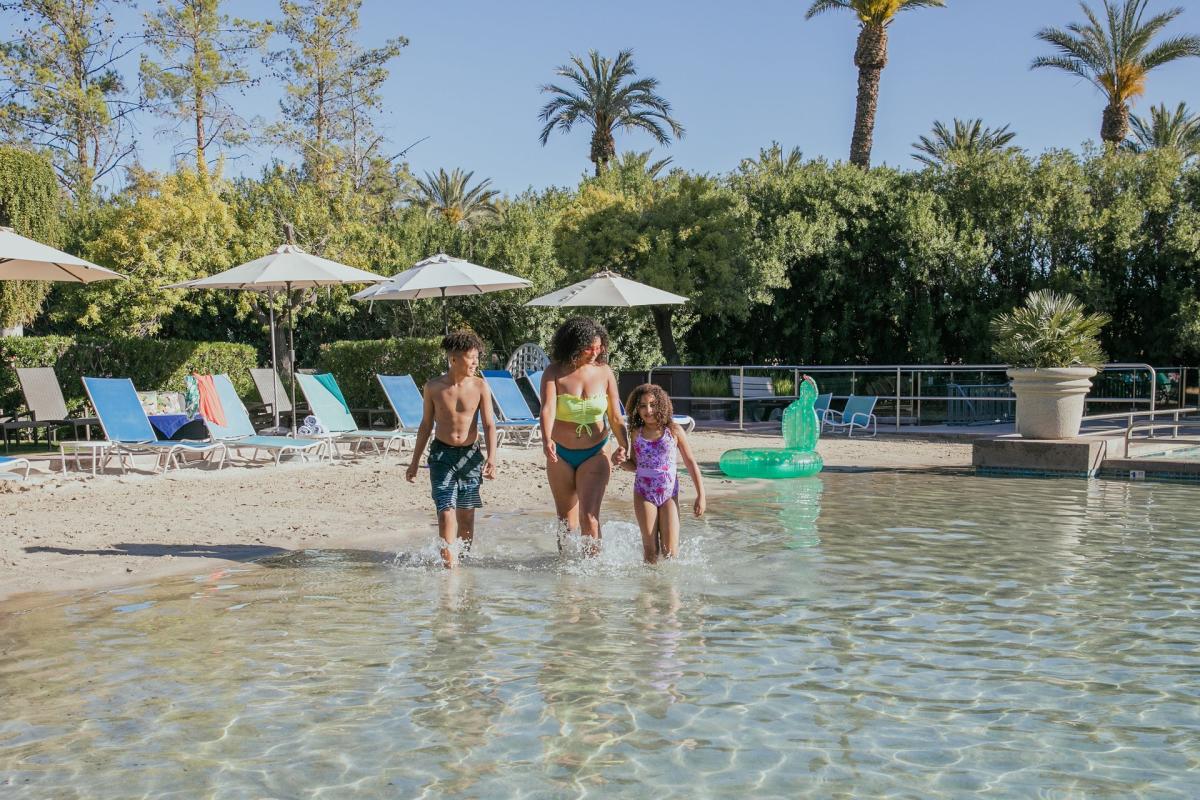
(853, 635)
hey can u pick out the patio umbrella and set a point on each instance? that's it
(24, 259)
(442, 276)
(288, 268)
(608, 289)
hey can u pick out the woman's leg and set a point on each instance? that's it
(591, 481)
(561, 476)
(668, 527)
(647, 517)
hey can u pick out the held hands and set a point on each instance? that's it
(619, 457)
(410, 474)
(699, 506)
(489, 469)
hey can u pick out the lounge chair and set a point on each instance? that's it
(859, 412)
(127, 428)
(8, 462)
(238, 432)
(514, 417)
(405, 398)
(334, 414)
(44, 406)
(821, 407)
(272, 392)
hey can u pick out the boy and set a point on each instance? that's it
(453, 401)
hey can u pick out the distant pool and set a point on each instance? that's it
(858, 635)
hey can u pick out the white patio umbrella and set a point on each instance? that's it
(608, 289)
(442, 276)
(24, 259)
(288, 268)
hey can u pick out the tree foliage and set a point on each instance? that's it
(29, 204)
(450, 195)
(969, 139)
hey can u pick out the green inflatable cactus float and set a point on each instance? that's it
(798, 458)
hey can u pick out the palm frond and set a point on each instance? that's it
(1050, 330)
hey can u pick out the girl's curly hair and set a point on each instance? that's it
(576, 335)
(662, 406)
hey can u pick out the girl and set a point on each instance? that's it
(655, 440)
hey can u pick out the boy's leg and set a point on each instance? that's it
(448, 530)
(647, 517)
(668, 527)
(466, 528)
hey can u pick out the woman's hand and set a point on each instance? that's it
(549, 451)
(619, 456)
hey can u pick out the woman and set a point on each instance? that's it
(579, 393)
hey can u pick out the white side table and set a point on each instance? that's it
(99, 448)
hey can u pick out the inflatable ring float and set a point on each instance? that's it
(798, 458)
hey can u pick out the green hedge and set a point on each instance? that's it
(153, 364)
(355, 364)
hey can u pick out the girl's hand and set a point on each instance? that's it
(699, 506)
(550, 453)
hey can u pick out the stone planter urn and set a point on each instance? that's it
(1050, 400)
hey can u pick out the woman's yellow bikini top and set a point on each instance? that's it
(583, 411)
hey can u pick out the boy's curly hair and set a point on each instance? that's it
(462, 342)
(574, 336)
(662, 406)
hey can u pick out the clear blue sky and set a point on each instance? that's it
(738, 75)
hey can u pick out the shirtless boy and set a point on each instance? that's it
(453, 402)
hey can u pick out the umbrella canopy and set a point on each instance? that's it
(288, 268)
(608, 289)
(442, 276)
(24, 259)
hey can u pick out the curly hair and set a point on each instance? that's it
(576, 335)
(662, 406)
(462, 342)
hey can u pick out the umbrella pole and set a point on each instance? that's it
(291, 353)
(445, 315)
(274, 359)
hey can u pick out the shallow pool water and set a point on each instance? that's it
(855, 635)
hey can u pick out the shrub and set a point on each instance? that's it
(710, 384)
(152, 364)
(355, 364)
(1050, 330)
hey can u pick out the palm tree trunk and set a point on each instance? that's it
(870, 56)
(1114, 128)
(666, 337)
(603, 149)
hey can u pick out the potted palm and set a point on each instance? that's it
(1053, 349)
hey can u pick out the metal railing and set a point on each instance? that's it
(907, 391)
(1155, 424)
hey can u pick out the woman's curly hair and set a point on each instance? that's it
(576, 335)
(662, 406)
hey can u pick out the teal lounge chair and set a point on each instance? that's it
(335, 416)
(7, 463)
(515, 419)
(405, 399)
(858, 413)
(238, 432)
(821, 407)
(127, 428)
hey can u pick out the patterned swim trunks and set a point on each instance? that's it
(455, 473)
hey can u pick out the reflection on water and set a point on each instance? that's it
(853, 634)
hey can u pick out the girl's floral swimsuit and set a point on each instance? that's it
(656, 479)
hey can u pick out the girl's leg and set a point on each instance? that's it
(566, 502)
(647, 517)
(668, 527)
(591, 480)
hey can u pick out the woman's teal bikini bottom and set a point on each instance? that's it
(576, 457)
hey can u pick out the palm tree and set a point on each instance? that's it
(771, 160)
(870, 56)
(607, 95)
(1115, 55)
(448, 194)
(969, 138)
(631, 161)
(1180, 130)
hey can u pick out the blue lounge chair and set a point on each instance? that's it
(338, 421)
(8, 462)
(127, 428)
(821, 407)
(859, 412)
(238, 432)
(405, 398)
(515, 419)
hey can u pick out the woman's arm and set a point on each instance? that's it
(615, 419)
(689, 461)
(549, 406)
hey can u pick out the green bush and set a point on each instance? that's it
(710, 384)
(152, 364)
(355, 364)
